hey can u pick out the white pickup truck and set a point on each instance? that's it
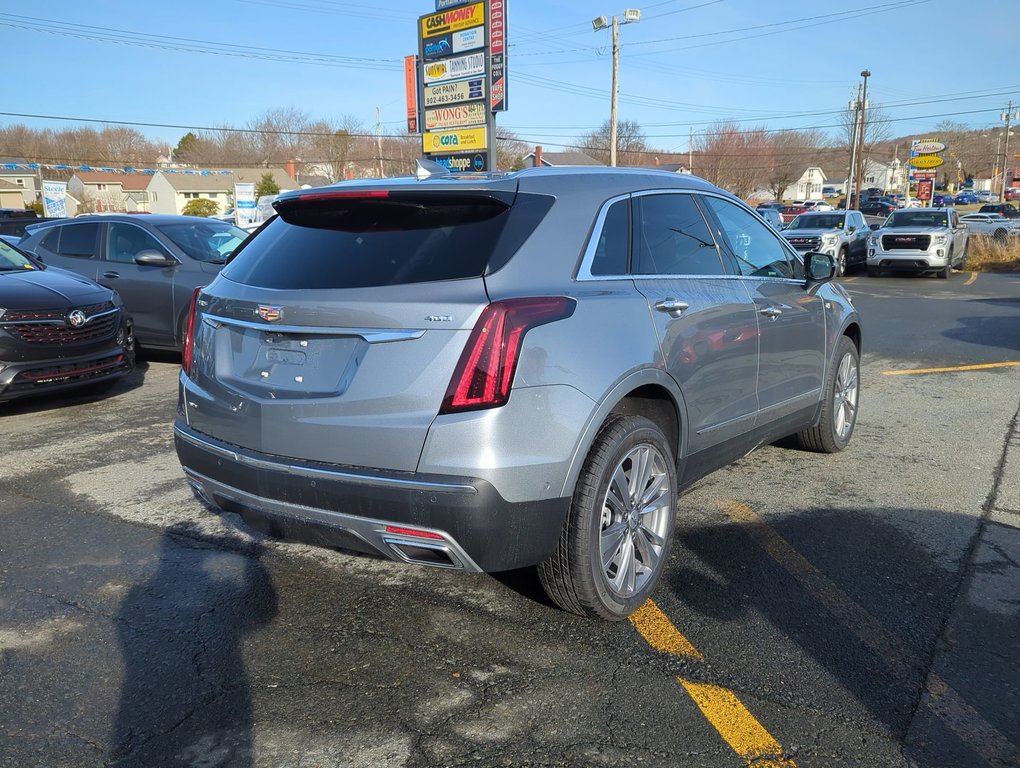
(918, 240)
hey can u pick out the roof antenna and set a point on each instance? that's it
(425, 168)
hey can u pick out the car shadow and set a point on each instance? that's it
(868, 605)
(186, 698)
(997, 331)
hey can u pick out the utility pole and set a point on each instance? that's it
(1008, 115)
(378, 140)
(851, 181)
(865, 74)
(690, 152)
(612, 108)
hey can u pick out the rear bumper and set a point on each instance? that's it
(454, 522)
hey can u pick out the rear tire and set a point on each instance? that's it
(839, 410)
(618, 534)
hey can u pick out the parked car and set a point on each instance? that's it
(817, 205)
(1013, 193)
(1005, 209)
(830, 192)
(993, 225)
(925, 240)
(878, 208)
(942, 200)
(986, 196)
(966, 198)
(841, 234)
(772, 216)
(403, 366)
(775, 205)
(154, 262)
(58, 331)
(791, 211)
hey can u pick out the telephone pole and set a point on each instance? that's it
(860, 143)
(1007, 116)
(851, 180)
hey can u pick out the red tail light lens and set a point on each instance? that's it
(485, 371)
(189, 337)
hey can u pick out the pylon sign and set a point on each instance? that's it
(462, 69)
(925, 156)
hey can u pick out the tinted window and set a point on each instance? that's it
(758, 251)
(818, 221)
(614, 240)
(125, 241)
(211, 241)
(671, 238)
(78, 240)
(51, 240)
(358, 242)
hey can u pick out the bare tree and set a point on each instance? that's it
(790, 153)
(734, 158)
(331, 147)
(631, 145)
(510, 150)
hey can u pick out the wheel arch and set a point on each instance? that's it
(651, 393)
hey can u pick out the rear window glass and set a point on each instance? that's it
(78, 240)
(357, 243)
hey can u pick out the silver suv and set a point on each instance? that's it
(506, 370)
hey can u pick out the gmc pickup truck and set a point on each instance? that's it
(842, 234)
(918, 240)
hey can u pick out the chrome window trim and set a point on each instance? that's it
(371, 335)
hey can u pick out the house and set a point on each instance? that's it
(554, 159)
(107, 191)
(886, 176)
(809, 185)
(14, 171)
(169, 192)
(11, 195)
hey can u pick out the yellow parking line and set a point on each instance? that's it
(971, 279)
(954, 369)
(745, 735)
(721, 707)
(940, 698)
(656, 628)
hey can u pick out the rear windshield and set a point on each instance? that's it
(358, 243)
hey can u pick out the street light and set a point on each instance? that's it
(859, 175)
(630, 16)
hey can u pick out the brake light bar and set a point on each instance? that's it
(485, 372)
(188, 348)
(338, 194)
(413, 532)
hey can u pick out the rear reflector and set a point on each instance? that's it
(485, 372)
(414, 532)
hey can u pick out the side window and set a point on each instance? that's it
(78, 240)
(758, 251)
(614, 240)
(672, 238)
(51, 241)
(125, 241)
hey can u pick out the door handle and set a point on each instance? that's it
(674, 307)
(111, 275)
(770, 312)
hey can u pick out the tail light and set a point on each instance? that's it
(189, 336)
(485, 371)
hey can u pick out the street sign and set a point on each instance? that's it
(454, 141)
(454, 93)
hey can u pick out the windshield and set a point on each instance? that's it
(211, 241)
(818, 221)
(11, 260)
(918, 219)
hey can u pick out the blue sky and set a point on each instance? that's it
(687, 63)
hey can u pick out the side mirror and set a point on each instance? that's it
(874, 227)
(153, 258)
(818, 268)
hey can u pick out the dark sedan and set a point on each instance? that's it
(877, 208)
(942, 200)
(154, 262)
(57, 330)
(966, 198)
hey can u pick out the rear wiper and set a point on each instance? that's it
(216, 261)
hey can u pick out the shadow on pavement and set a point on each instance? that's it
(1001, 332)
(186, 699)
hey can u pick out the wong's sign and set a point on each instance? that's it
(457, 116)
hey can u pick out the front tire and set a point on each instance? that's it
(618, 533)
(841, 263)
(839, 410)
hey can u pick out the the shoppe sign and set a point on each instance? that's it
(460, 74)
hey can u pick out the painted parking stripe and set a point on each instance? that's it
(659, 632)
(736, 725)
(720, 706)
(954, 369)
(971, 279)
(938, 696)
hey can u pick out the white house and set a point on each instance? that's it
(24, 179)
(104, 191)
(10, 195)
(808, 186)
(170, 192)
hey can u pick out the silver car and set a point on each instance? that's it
(507, 370)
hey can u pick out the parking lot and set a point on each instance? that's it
(854, 609)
